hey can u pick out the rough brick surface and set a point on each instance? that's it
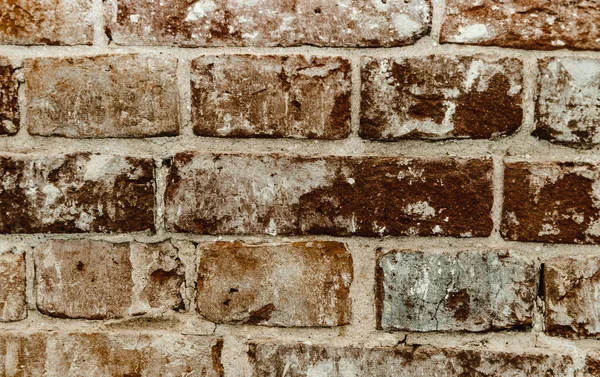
(12, 287)
(302, 284)
(567, 104)
(46, 22)
(551, 202)
(77, 354)
(99, 280)
(533, 24)
(271, 96)
(454, 291)
(267, 23)
(76, 193)
(103, 96)
(270, 359)
(370, 196)
(440, 97)
(592, 364)
(9, 98)
(571, 287)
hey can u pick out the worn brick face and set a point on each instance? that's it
(533, 24)
(12, 287)
(99, 280)
(9, 98)
(567, 104)
(46, 22)
(98, 354)
(76, 193)
(369, 196)
(438, 97)
(271, 96)
(270, 359)
(551, 202)
(103, 96)
(454, 291)
(301, 284)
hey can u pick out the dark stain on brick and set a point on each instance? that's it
(216, 352)
(9, 100)
(458, 302)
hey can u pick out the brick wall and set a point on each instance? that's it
(299, 188)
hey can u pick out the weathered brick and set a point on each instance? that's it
(13, 306)
(98, 354)
(46, 22)
(437, 97)
(365, 196)
(454, 291)
(302, 284)
(567, 108)
(9, 98)
(99, 280)
(592, 364)
(551, 202)
(132, 95)
(533, 24)
(271, 96)
(76, 193)
(269, 358)
(268, 23)
(571, 285)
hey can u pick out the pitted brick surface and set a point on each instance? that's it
(9, 99)
(12, 287)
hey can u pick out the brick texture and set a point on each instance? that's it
(302, 284)
(12, 287)
(271, 96)
(9, 99)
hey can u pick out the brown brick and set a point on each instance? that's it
(99, 354)
(470, 290)
(368, 196)
(439, 97)
(592, 364)
(270, 359)
(301, 284)
(9, 98)
(99, 280)
(76, 193)
(567, 104)
(13, 306)
(551, 202)
(533, 24)
(271, 96)
(570, 287)
(267, 23)
(103, 96)
(46, 22)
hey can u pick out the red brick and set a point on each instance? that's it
(533, 24)
(100, 280)
(300, 284)
(46, 22)
(551, 202)
(103, 96)
(9, 98)
(13, 306)
(76, 193)
(368, 196)
(267, 23)
(271, 96)
(439, 97)
(102, 354)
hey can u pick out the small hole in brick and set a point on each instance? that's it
(318, 10)
(80, 266)
(233, 290)
(226, 302)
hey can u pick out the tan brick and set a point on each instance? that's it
(471, 290)
(99, 280)
(533, 24)
(98, 354)
(439, 97)
(567, 103)
(9, 98)
(271, 358)
(13, 305)
(76, 193)
(267, 23)
(271, 96)
(365, 196)
(103, 96)
(46, 22)
(551, 202)
(301, 284)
